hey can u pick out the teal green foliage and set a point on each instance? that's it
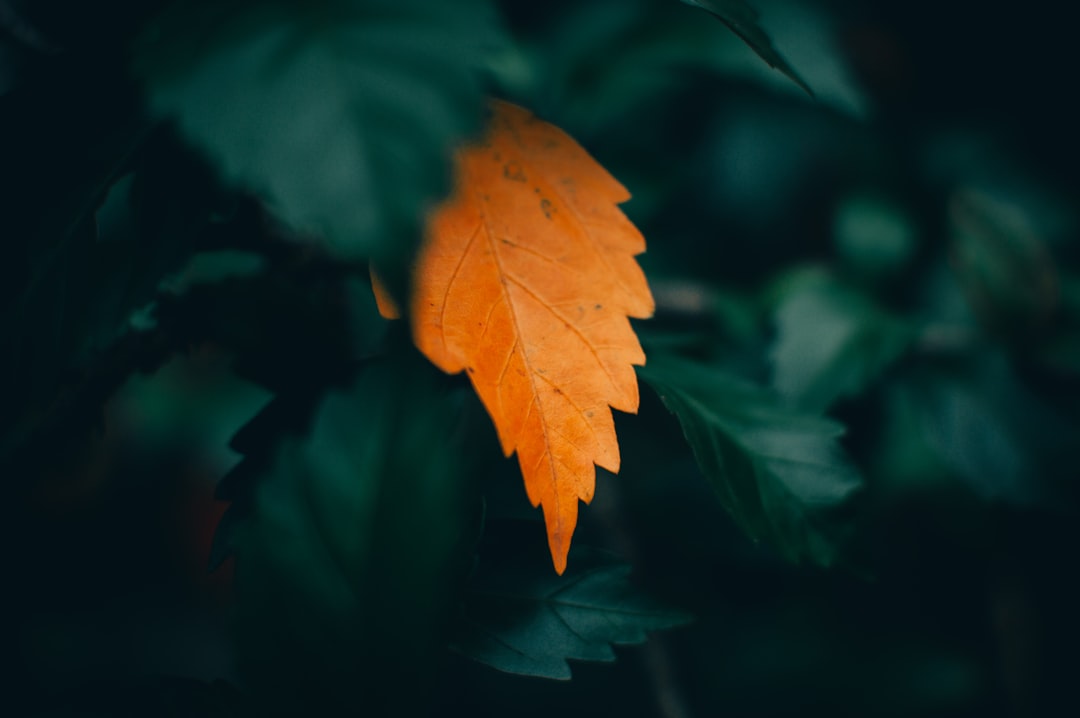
(779, 472)
(345, 567)
(522, 619)
(91, 267)
(744, 21)
(832, 342)
(341, 114)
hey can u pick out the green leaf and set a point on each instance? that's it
(520, 617)
(196, 401)
(832, 342)
(341, 114)
(1004, 264)
(874, 236)
(344, 565)
(213, 267)
(148, 226)
(67, 344)
(990, 430)
(743, 20)
(780, 473)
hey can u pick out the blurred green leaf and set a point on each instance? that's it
(780, 473)
(1003, 263)
(198, 401)
(832, 341)
(873, 235)
(343, 569)
(743, 20)
(1006, 443)
(341, 114)
(65, 324)
(213, 267)
(521, 617)
(148, 226)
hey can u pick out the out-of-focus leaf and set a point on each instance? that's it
(832, 342)
(341, 114)
(779, 472)
(1062, 352)
(743, 20)
(1003, 441)
(343, 568)
(212, 267)
(85, 283)
(147, 227)
(1003, 263)
(197, 401)
(519, 617)
(873, 236)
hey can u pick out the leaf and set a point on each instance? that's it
(780, 473)
(526, 281)
(91, 267)
(213, 267)
(343, 567)
(340, 113)
(742, 19)
(520, 619)
(1006, 443)
(832, 342)
(195, 401)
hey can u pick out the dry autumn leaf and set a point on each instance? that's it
(526, 281)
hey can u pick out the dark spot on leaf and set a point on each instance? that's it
(470, 369)
(598, 306)
(546, 208)
(513, 171)
(590, 413)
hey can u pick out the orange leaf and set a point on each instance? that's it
(526, 280)
(388, 308)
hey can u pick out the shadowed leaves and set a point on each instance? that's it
(780, 473)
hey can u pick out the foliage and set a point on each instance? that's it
(350, 543)
(519, 618)
(777, 471)
(848, 472)
(377, 92)
(744, 22)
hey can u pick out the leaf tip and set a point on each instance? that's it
(558, 557)
(559, 545)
